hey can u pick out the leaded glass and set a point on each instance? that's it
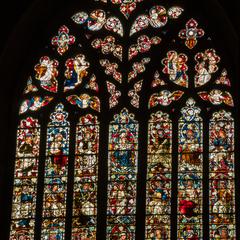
(46, 73)
(207, 64)
(115, 94)
(107, 46)
(25, 180)
(164, 98)
(85, 179)
(175, 65)
(134, 94)
(126, 72)
(122, 176)
(143, 45)
(221, 176)
(111, 69)
(191, 33)
(56, 171)
(159, 169)
(63, 40)
(34, 104)
(190, 167)
(217, 97)
(76, 70)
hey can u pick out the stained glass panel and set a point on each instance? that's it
(76, 70)
(108, 45)
(175, 65)
(63, 40)
(122, 176)
(191, 33)
(221, 176)
(134, 94)
(85, 179)
(97, 19)
(114, 94)
(159, 169)
(207, 64)
(217, 97)
(25, 180)
(138, 68)
(143, 45)
(190, 166)
(46, 73)
(56, 171)
(164, 98)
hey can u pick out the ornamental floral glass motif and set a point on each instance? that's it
(158, 63)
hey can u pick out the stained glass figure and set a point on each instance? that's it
(164, 98)
(56, 172)
(63, 40)
(143, 45)
(34, 103)
(223, 79)
(111, 69)
(108, 46)
(138, 68)
(221, 176)
(25, 180)
(159, 169)
(217, 97)
(85, 179)
(115, 94)
(191, 33)
(97, 20)
(134, 94)
(175, 65)
(207, 64)
(122, 176)
(157, 18)
(190, 167)
(76, 70)
(46, 73)
(30, 88)
(85, 101)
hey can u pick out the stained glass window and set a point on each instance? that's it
(25, 179)
(190, 167)
(221, 176)
(122, 176)
(131, 89)
(85, 179)
(158, 202)
(56, 171)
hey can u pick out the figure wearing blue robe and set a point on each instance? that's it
(71, 83)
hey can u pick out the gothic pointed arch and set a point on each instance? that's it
(126, 128)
